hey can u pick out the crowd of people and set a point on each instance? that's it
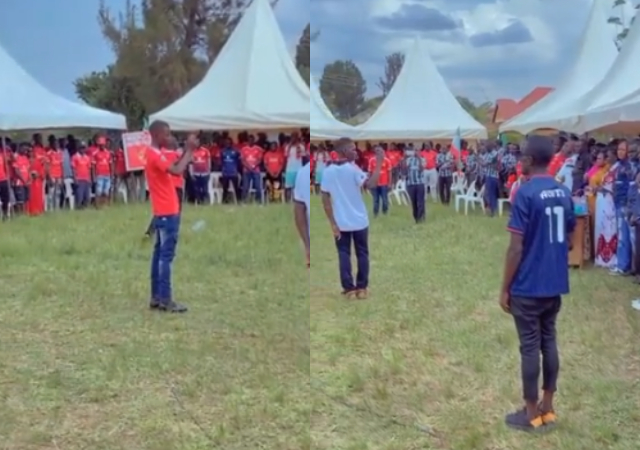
(68, 173)
(604, 177)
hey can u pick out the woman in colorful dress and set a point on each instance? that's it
(36, 202)
(606, 229)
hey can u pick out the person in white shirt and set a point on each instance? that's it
(302, 208)
(344, 206)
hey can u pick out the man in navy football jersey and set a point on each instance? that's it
(536, 275)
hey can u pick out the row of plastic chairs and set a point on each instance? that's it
(465, 194)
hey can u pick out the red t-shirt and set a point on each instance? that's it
(81, 165)
(161, 183)
(201, 161)
(173, 156)
(252, 157)
(121, 164)
(4, 166)
(22, 167)
(55, 160)
(385, 171)
(102, 162)
(274, 163)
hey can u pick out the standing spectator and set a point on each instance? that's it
(490, 162)
(274, 165)
(55, 173)
(345, 209)
(414, 168)
(230, 161)
(446, 166)
(380, 191)
(81, 165)
(5, 182)
(22, 178)
(251, 156)
(103, 172)
(201, 173)
(160, 173)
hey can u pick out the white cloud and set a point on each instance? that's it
(482, 73)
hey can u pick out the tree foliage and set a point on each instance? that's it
(303, 53)
(343, 88)
(393, 67)
(162, 48)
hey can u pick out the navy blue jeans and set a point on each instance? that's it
(167, 229)
(380, 196)
(252, 180)
(201, 187)
(492, 193)
(360, 241)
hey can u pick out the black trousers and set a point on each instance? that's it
(535, 320)
(417, 193)
(5, 197)
(444, 189)
(227, 182)
(360, 241)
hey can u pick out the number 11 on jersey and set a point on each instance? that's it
(557, 230)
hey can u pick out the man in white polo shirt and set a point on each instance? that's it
(342, 184)
(302, 208)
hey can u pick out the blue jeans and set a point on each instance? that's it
(164, 251)
(249, 180)
(83, 194)
(491, 193)
(380, 196)
(201, 187)
(623, 253)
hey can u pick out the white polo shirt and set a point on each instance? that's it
(343, 182)
(302, 190)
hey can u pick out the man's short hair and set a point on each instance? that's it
(157, 125)
(342, 145)
(540, 149)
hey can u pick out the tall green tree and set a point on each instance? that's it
(392, 68)
(162, 48)
(303, 53)
(343, 88)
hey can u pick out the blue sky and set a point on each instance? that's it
(59, 40)
(485, 49)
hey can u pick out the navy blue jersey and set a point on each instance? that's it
(542, 212)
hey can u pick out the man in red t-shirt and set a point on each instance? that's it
(381, 191)
(251, 156)
(102, 162)
(160, 172)
(81, 166)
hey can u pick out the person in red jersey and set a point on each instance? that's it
(160, 172)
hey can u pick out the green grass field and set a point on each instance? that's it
(260, 364)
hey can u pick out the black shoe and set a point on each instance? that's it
(520, 421)
(171, 307)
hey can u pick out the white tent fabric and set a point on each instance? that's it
(595, 57)
(323, 124)
(420, 106)
(253, 83)
(615, 103)
(27, 105)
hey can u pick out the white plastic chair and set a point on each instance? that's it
(123, 192)
(215, 191)
(501, 203)
(470, 198)
(400, 193)
(459, 184)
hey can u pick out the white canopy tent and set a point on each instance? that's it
(614, 105)
(420, 106)
(323, 124)
(594, 59)
(253, 83)
(27, 105)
